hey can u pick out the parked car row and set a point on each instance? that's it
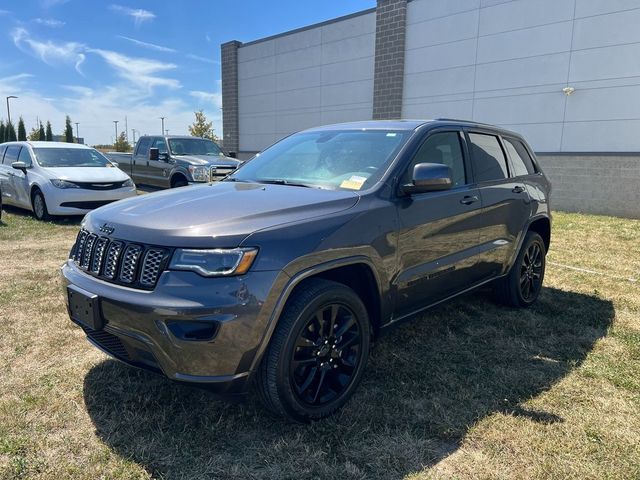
(55, 178)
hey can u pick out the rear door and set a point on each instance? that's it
(438, 233)
(139, 160)
(505, 200)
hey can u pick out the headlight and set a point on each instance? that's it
(63, 184)
(128, 183)
(214, 263)
(199, 174)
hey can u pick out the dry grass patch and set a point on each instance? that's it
(471, 390)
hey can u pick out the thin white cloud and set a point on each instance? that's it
(49, 52)
(139, 71)
(4, 12)
(150, 46)
(49, 22)
(207, 37)
(213, 98)
(202, 59)
(139, 15)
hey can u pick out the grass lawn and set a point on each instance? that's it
(470, 390)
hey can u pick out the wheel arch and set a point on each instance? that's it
(542, 226)
(177, 175)
(340, 271)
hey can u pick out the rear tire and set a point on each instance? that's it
(317, 354)
(39, 206)
(522, 286)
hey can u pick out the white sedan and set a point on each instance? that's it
(55, 178)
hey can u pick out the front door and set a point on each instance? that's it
(438, 237)
(20, 180)
(9, 173)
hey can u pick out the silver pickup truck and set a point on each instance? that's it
(175, 161)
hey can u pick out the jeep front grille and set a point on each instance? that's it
(116, 261)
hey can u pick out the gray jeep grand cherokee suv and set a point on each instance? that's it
(281, 275)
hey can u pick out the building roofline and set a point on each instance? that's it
(308, 27)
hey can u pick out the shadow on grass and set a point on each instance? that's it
(427, 383)
(57, 220)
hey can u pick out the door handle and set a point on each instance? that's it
(469, 199)
(518, 189)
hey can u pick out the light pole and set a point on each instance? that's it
(77, 135)
(166, 132)
(162, 118)
(116, 124)
(133, 133)
(8, 112)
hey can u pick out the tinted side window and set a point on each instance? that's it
(25, 157)
(143, 146)
(522, 163)
(12, 154)
(2, 149)
(488, 157)
(441, 148)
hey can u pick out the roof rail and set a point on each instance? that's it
(460, 120)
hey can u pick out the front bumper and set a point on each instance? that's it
(144, 328)
(76, 201)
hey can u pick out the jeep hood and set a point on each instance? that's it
(214, 215)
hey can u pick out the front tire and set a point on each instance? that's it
(317, 354)
(522, 286)
(39, 206)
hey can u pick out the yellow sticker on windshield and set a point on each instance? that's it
(354, 183)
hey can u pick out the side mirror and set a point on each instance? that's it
(233, 154)
(115, 164)
(164, 157)
(154, 154)
(429, 177)
(20, 166)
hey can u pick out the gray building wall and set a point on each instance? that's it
(504, 62)
(507, 62)
(319, 75)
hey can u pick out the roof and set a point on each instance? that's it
(39, 144)
(373, 125)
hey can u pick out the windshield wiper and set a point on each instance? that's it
(282, 181)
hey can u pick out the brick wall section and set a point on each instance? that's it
(230, 129)
(391, 20)
(594, 183)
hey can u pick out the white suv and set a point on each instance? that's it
(55, 178)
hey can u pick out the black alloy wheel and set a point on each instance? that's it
(317, 353)
(523, 284)
(326, 354)
(531, 269)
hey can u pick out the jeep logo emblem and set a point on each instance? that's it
(106, 228)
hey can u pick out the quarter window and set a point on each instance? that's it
(443, 148)
(520, 159)
(488, 157)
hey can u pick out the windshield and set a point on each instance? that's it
(337, 159)
(70, 157)
(194, 146)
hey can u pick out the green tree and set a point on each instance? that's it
(41, 135)
(10, 133)
(122, 144)
(22, 131)
(34, 134)
(49, 134)
(2, 131)
(68, 130)
(201, 128)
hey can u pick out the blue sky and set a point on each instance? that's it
(98, 61)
